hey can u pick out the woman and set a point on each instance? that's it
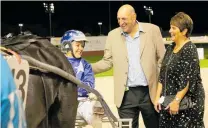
(180, 76)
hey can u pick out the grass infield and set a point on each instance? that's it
(93, 59)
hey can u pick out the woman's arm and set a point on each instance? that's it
(175, 104)
(179, 96)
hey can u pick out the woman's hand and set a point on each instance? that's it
(173, 107)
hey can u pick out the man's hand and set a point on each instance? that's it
(157, 105)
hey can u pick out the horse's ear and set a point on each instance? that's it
(19, 41)
(6, 41)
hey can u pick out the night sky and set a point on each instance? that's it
(86, 15)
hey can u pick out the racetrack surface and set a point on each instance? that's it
(105, 86)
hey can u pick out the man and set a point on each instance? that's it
(135, 51)
(72, 44)
(12, 112)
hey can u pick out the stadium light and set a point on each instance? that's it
(49, 8)
(149, 12)
(20, 25)
(100, 24)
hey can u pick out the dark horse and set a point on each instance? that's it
(51, 100)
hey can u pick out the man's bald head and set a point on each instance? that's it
(126, 18)
(127, 8)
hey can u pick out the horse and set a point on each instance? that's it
(51, 100)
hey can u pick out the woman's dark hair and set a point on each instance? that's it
(182, 21)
